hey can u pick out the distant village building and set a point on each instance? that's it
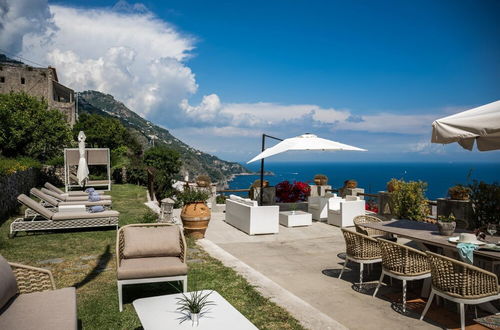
(41, 82)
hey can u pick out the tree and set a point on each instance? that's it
(166, 164)
(104, 132)
(29, 128)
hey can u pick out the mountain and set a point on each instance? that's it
(195, 162)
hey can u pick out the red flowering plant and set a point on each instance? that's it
(287, 192)
(371, 206)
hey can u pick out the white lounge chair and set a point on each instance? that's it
(50, 186)
(46, 219)
(47, 200)
(67, 198)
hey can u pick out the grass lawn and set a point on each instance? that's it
(86, 260)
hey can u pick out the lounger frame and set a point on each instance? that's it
(37, 223)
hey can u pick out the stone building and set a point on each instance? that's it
(42, 82)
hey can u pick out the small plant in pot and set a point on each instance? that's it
(195, 213)
(194, 304)
(320, 180)
(459, 192)
(446, 225)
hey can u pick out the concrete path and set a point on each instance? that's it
(305, 262)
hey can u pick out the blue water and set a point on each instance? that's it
(373, 177)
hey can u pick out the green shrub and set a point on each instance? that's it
(220, 199)
(9, 165)
(486, 203)
(192, 195)
(166, 164)
(149, 217)
(408, 200)
(56, 161)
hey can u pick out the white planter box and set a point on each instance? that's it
(295, 218)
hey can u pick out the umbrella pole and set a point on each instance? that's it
(262, 172)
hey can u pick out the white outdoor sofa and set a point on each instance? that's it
(318, 206)
(250, 218)
(341, 212)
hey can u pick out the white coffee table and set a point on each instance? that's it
(161, 313)
(295, 218)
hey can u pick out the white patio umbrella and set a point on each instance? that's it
(304, 142)
(301, 142)
(481, 124)
(83, 170)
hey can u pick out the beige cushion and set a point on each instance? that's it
(151, 267)
(87, 203)
(43, 196)
(8, 283)
(83, 198)
(83, 215)
(35, 206)
(48, 310)
(53, 188)
(143, 242)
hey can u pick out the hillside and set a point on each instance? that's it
(195, 162)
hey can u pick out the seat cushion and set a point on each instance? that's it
(86, 203)
(67, 198)
(48, 310)
(8, 283)
(83, 215)
(151, 267)
(144, 242)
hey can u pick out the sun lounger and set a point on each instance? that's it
(66, 198)
(69, 193)
(47, 219)
(48, 200)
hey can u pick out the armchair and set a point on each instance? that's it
(341, 213)
(318, 206)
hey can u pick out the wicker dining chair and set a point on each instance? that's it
(361, 249)
(461, 283)
(403, 263)
(362, 219)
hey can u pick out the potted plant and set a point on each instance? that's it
(203, 181)
(194, 304)
(392, 185)
(459, 192)
(351, 184)
(446, 225)
(320, 180)
(293, 208)
(195, 213)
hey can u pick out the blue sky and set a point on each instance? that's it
(374, 74)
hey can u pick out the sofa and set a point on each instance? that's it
(318, 205)
(29, 300)
(342, 212)
(246, 215)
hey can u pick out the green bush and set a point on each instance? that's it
(9, 166)
(192, 196)
(149, 217)
(28, 128)
(486, 203)
(166, 164)
(408, 200)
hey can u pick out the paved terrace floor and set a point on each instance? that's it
(305, 261)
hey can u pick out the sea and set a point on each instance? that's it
(373, 177)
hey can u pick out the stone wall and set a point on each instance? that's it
(12, 186)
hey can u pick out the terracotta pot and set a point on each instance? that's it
(195, 218)
(446, 228)
(201, 182)
(351, 184)
(390, 186)
(320, 180)
(461, 196)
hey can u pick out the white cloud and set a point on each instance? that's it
(426, 147)
(126, 51)
(391, 123)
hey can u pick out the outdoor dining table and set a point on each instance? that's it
(427, 233)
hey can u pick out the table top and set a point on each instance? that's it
(427, 233)
(161, 313)
(293, 212)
